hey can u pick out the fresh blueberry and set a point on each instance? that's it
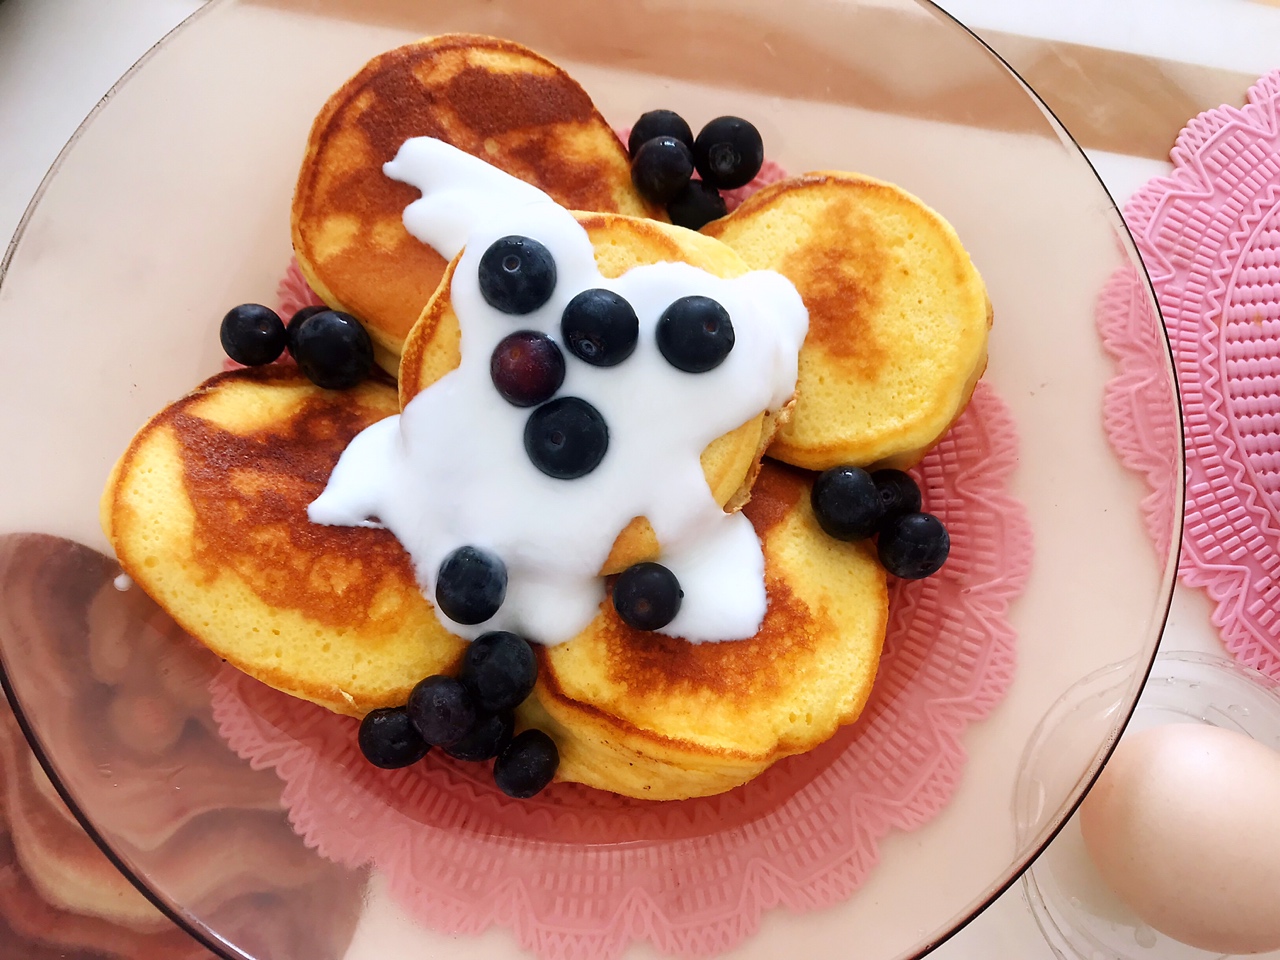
(527, 764)
(252, 334)
(527, 368)
(566, 438)
(441, 710)
(659, 123)
(388, 740)
(913, 545)
(898, 492)
(647, 596)
(660, 168)
(846, 502)
(333, 350)
(499, 669)
(517, 275)
(291, 328)
(471, 585)
(600, 327)
(487, 738)
(696, 205)
(695, 334)
(728, 152)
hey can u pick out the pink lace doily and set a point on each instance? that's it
(1210, 237)
(579, 873)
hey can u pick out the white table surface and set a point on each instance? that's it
(59, 57)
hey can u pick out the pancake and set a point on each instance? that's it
(492, 98)
(655, 717)
(898, 316)
(729, 463)
(206, 511)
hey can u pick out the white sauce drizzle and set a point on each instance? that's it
(451, 470)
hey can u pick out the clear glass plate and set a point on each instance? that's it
(172, 201)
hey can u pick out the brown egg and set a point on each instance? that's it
(1183, 825)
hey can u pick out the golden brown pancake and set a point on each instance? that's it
(492, 98)
(207, 511)
(656, 717)
(898, 316)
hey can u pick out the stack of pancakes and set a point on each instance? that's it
(207, 507)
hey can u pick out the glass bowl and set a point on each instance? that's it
(172, 201)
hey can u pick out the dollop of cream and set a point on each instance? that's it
(452, 471)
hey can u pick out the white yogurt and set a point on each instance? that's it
(452, 471)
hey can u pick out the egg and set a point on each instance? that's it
(1184, 826)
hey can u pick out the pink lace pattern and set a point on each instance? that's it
(579, 873)
(1210, 237)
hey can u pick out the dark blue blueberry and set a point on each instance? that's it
(441, 710)
(898, 492)
(487, 738)
(517, 275)
(847, 504)
(660, 168)
(333, 350)
(696, 205)
(647, 596)
(471, 585)
(728, 152)
(527, 764)
(695, 334)
(499, 669)
(527, 368)
(389, 740)
(600, 327)
(566, 438)
(291, 328)
(252, 334)
(913, 545)
(659, 123)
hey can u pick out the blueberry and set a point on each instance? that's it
(913, 545)
(487, 738)
(659, 123)
(527, 368)
(728, 152)
(252, 334)
(647, 596)
(566, 438)
(517, 275)
(660, 168)
(527, 764)
(499, 669)
(471, 585)
(441, 710)
(333, 350)
(696, 205)
(388, 740)
(695, 334)
(846, 502)
(291, 328)
(898, 492)
(600, 327)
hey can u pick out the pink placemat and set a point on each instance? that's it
(1209, 234)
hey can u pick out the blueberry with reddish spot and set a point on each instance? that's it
(441, 710)
(252, 334)
(846, 503)
(527, 368)
(661, 168)
(517, 275)
(333, 350)
(647, 596)
(527, 764)
(566, 438)
(728, 153)
(389, 740)
(487, 738)
(695, 334)
(500, 669)
(913, 545)
(898, 492)
(600, 327)
(696, 205)
(659, 123)
(471, 585)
